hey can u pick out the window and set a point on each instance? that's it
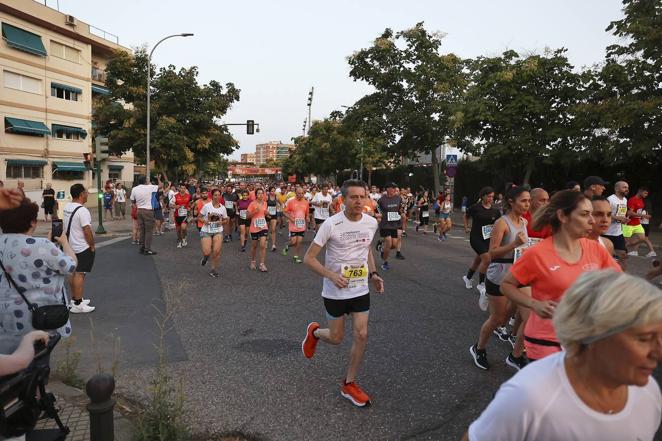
(21, 82)
(69, 175)
(65, 94)
(68, 53)
(25, 171)
(61, 134)
(115, 174)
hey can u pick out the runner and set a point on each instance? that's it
(552, 266)
(199, 203)
(282, 199)
(634, 232)
(296, 211)
(423, 205)
(230, 199)
(349, 265)
(619, 212)
(214, 217)
(601, 222)
(272, 216)
(257, 213)
(244, 222)
(509, 233)
(309, 195)
(321, 203)
(483, 216)
(445, 221)
(182, 203)
(407, 203)
(594, 186)
(390, 209)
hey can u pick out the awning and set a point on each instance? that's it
(68, 129)
(68, 166)
(23, 126)
(115, 167)
(65, 87)
(23, 40)
(100, 90)
(33, 162)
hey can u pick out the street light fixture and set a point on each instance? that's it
(149, 92)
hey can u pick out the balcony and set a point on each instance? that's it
(98, 75)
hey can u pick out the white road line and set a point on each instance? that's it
(111, 241)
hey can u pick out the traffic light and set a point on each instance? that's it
(87, 159)
(100, 148)
(250, 127)
(310, 97)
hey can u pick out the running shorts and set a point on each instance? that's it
(231, 214)
(85, 261)
(388, 232)
(444, 215)
(337, 308)
(180, 220)
(424, 220)
(618, 241)
(245, 222)
(297, 233)
(210, 235)
(631, 230)
(492, 288)
(259, 234)
(319, 221)
(480, 246)
(646, 229)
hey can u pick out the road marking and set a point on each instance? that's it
(111, 241)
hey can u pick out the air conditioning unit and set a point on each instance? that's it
(70, 20)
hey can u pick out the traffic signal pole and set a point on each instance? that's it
(100, 154)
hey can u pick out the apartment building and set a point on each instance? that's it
(51, 71)
(274, 150)
(248, 158)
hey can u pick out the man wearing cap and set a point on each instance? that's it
(594, 186)
(390, 208)
(619, 212)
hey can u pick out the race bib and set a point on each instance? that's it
(622, 210)
(214, 227)
(392, 216)
(357, 275)
(242, 214)
(299, 223)
(487, 231)
(229, 205)
(260, 222)
(182, 211)
(271, 210)
(324, 212)
(425, 214)
(342, 207)
(522, 248)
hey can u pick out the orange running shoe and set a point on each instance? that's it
(355, 394)
(309, 344)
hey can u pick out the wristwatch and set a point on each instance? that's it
(374, 273)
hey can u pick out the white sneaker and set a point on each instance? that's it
(467, 282)
(633, 253)
(482, 301)
(184, 243)
(179, 244)
(511, 322)
(83, 301)
(81, 309)
(651, 254)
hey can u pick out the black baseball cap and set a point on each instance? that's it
(391, 185)
(594, 180)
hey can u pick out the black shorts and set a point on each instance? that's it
(297, 233)
(337, 308)
(48, 209)
(85, 261)
(647, 229)
(231, 214)
(245, 222)
(424, 220)
(480, 246)
(618, 241)
(319, 221)
(180, 220)
(259, 234)
(492, 289)
(388, 232)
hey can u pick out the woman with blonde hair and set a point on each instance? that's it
(600, 387)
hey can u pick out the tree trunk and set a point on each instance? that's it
(435, 172)
(369, 177)
(530, 165)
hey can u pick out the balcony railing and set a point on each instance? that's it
(98, 75)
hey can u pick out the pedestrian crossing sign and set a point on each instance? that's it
(451, 160)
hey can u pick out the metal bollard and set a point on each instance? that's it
(100, 389)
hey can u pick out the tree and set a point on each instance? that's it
(519, 112)
(185, 137)
(416, 90)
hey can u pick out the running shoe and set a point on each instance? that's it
(479, 356)
(440, 238)
(417, 228)
(434, 228)
(355, 394)
(483, 303)
(511, 340)
(179, 244)
(502, 333)
(82, 308)
(378, 247)
(263, 268)
(273, 249)
(467, 282)
(149, 253)
(243, 248)
(296, 259)
(285, 251)
(252, 265)
(511, 322)
(226, 240)
(184, 243)
(651, 254)
(214, 274)
(203, 261)
(309, 344)
(385, 266)
(516, 362)
(633, 253)
(399, 256)
(404, 234)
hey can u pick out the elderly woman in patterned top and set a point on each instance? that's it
(37, 267)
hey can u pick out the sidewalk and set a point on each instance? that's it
(113, 228)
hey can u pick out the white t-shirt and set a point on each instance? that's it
(375, 196)
(539, 404)
(347, 247)
(321, 212)
(215, 215)
(171, 197)
(81, 219)
(142, 194)
(619, 207)
(120, 195)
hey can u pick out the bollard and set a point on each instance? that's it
(100, 389)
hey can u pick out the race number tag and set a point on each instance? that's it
(342, 207)
(229, 205)
(622, 210)
(522, 248)
(487, 231)
(242, 214)
(324, 212)
(214, 227)
(271, 210)
(182, 211)
(425, 214)
(392, 216)
(260, 222)
(299, 223)
(357, 275)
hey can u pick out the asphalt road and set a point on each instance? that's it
(234, 342)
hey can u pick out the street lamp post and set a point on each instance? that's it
(149, 92)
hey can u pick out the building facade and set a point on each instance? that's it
(248, 158)
(274, 150)
(51, 70)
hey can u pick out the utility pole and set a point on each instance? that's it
(310, 106)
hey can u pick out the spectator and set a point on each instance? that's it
(120, 201)
(600, 387)
(572, 185)
(23, 355)
(21, 186)
(108, 198)
(143, 195)
(49, 201)
(36, 266)
(78, 228)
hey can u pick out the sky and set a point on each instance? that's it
(275, 51)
